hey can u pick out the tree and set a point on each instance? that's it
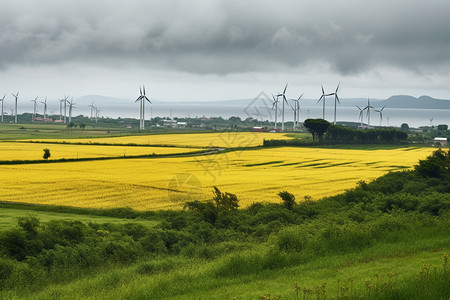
(288, 199)
(404, 127)
(442, 127)
(317, 127)
(436, 165)
(82, 126)
(226, 201)
(46, 153)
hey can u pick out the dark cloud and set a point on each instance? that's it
(221, 37)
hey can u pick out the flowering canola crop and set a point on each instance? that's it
(34, 151)
(166, 183)
(222, 139)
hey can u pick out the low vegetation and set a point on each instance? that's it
(341, 247)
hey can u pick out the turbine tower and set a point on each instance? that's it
(380, 111)
(275, 105)
(360, 114)
(142, 98)
(97, 113)
(60, 108)
(92, 109)
(336, 100)
(322, 98)
(34, 108)
(63, 101)
(71, 106)
(3, 100)
(15, 106)
(296, 109)
(45, 107)
(368, 107)
(283, 95)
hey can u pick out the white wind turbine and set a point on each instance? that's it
(61, 102)
(3, 100)
(34, 108)
(283, 95)
(71, 106)
(296, 110)
(15, 106)
(275, 105)
(142, 98)
(360, 114)
(97, 114)
(380, 111)
(60, 108)
(45, 107)
(92, 106)
(336, 100)
(322, 98)
(368, 107)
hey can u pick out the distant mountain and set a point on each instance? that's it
(423, 102)
(399, 101)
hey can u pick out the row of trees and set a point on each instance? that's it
(337, 134)
(345, 135)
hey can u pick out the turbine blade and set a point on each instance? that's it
(300, 96)
(285, 89)
(337, 98)
(337, 88)
(323, 92)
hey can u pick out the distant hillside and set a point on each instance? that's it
(423, 102)
(399, 101)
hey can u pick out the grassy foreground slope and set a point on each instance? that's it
(387, 239)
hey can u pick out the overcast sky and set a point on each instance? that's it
(218, 50)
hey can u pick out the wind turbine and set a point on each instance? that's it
(296, 110)
(3, 100)
(92, 109)
(360, 114)
(15, 106)
(71, 105)
(380, 111)
(142, 98)
(61, 101)
(336, 100)
(323, 97)
(45, 107)
(34, 108)
(368, 107)
(275, 105)
(97, 113)
(282, 109)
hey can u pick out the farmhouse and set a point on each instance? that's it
(258, 129)
(440, 141)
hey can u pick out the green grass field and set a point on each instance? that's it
(9, 217)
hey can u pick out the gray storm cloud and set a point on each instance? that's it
(221, 37)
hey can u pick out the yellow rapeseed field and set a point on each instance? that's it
(34, 151)
(222, 139)
(165, 183)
